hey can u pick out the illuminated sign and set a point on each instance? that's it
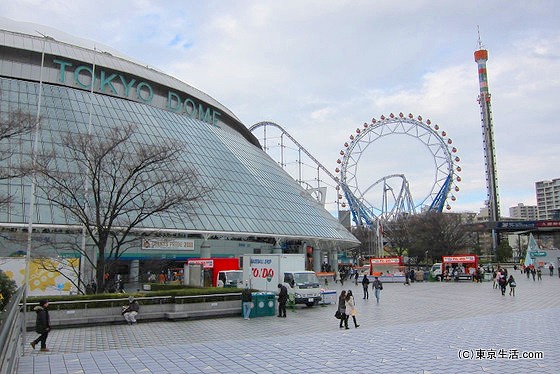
(120, 85)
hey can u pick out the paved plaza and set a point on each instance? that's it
(427, 327)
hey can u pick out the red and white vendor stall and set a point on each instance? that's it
(388, 269)
(459, 267)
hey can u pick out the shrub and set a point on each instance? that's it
(7, 289)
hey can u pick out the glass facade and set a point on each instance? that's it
(251, 196)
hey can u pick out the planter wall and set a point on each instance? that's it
(95, 316)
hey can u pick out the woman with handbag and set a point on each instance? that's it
(342, 309)
(350, 308)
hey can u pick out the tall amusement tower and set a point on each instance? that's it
(481, 56)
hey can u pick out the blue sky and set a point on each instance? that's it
(320, 69)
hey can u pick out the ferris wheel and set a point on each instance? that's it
(384, 197)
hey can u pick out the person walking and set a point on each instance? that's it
(282, 300)
(365, 286)
(503, 283)
(342, 309)
(246, 301)
(377, 287)
(512, 285)
(131, 310)
(42, 325)
(350, 308)
(407, 278)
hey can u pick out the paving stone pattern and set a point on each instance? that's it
(421, 328)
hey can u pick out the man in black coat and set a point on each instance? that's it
(43, 325)
(365, 286)
(282, 300)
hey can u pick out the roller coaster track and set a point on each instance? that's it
(302, 148)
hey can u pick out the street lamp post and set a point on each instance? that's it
(34, 151)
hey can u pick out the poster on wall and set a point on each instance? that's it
(54, 281)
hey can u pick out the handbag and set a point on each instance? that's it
(338, 315)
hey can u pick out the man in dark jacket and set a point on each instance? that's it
(282, 300)
(43, 325)
(365, 286)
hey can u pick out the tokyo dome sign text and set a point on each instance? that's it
(118, 84)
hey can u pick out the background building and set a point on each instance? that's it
(548, 199)
(522, 211)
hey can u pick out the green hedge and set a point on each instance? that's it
(163, 290)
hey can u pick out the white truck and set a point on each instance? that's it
(265, 271)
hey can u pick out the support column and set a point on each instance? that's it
(316, 259)
(133, 276)
(334, 259)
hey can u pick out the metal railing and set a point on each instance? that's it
(11, 334)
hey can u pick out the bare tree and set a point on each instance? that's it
(436, 233)
(399, 234)
(111, 183)
(13, 125)
(440, 234)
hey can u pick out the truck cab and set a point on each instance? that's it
(230, 278)
(437, 271)
(304, 286)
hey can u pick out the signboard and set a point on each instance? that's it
(206, 263)
(168, 244)
(555, 224)
(538, 254)
(516, 225)
(459, 258)
(385, 261)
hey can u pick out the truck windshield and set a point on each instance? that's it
(235, 276)
(306, 278)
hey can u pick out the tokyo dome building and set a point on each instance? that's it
(255, 207)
